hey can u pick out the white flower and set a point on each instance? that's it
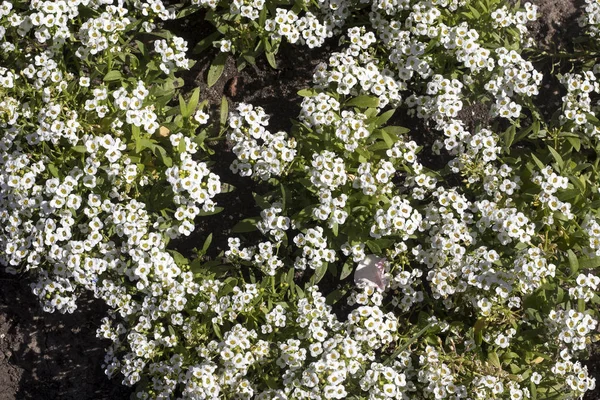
(201, 117)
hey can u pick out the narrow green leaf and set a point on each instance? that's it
(217, 210)
(307, 92)
(207, 243)
(246, 225)
(79, 149)
(374, 247)
(186, 11)
(193, 103)
(537, 161)
(335, 296)
(509, 136)
(581, 305)
(335, 229)
(224, 111)
(113, 76)
(53, 170)
(589, 263)
(172, 331)
(557, 157)
(319, 273)
(383, 118)
(388, 139)
(363, 101)
(206, 42)
(182, 107)
(573, 262)
(575, 142)
(271, 59)
(347, 269)
(494, 360)
(396, 130)
(216, 69)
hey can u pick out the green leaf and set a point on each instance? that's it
(79, 149)
(284, 196)
(271, 59)
(261, 201)
(162, 154)
(335, 228)
(374, 247)
(193, 103)
(319, 273)
(575, 142)
(347, 269)
(206, 42)
(217, 210)
(182, 107)
(388, 139)
(581, 305)
(396, 130)
(53, 170)
(224, 111)
(207, 243)
(537, 161)
(509, 136)
(335, 296)
(474, 11)
(186, 11)
(246, 225)
(216, 69)
(172, 331)
(494, 360)
(557, 157)
(363, 101)
(573, 262)
(179, 258)
(307, 92)
(478, 330)
(589, 263)
(383, 118)
(113, 76)
(217, 331)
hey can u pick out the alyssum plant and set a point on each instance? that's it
(472, 248)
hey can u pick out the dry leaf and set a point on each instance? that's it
(164, 131)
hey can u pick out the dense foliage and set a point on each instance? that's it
(427, 259)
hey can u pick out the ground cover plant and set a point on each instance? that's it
(394, 248)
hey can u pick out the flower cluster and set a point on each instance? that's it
(354, 71)
(307, 29)
(550, 183)
(193, 185)
(502, 17)
(172, 55)
(245, 8)
(259, 153)
(577, 104)
(573, 327)
(314, 249)
(591, 18)
(470, 240)
(398, 219)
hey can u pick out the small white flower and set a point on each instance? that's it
(201, 117)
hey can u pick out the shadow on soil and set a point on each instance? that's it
(51, 356)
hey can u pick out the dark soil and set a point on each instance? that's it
(54, 356)
(51, 356)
